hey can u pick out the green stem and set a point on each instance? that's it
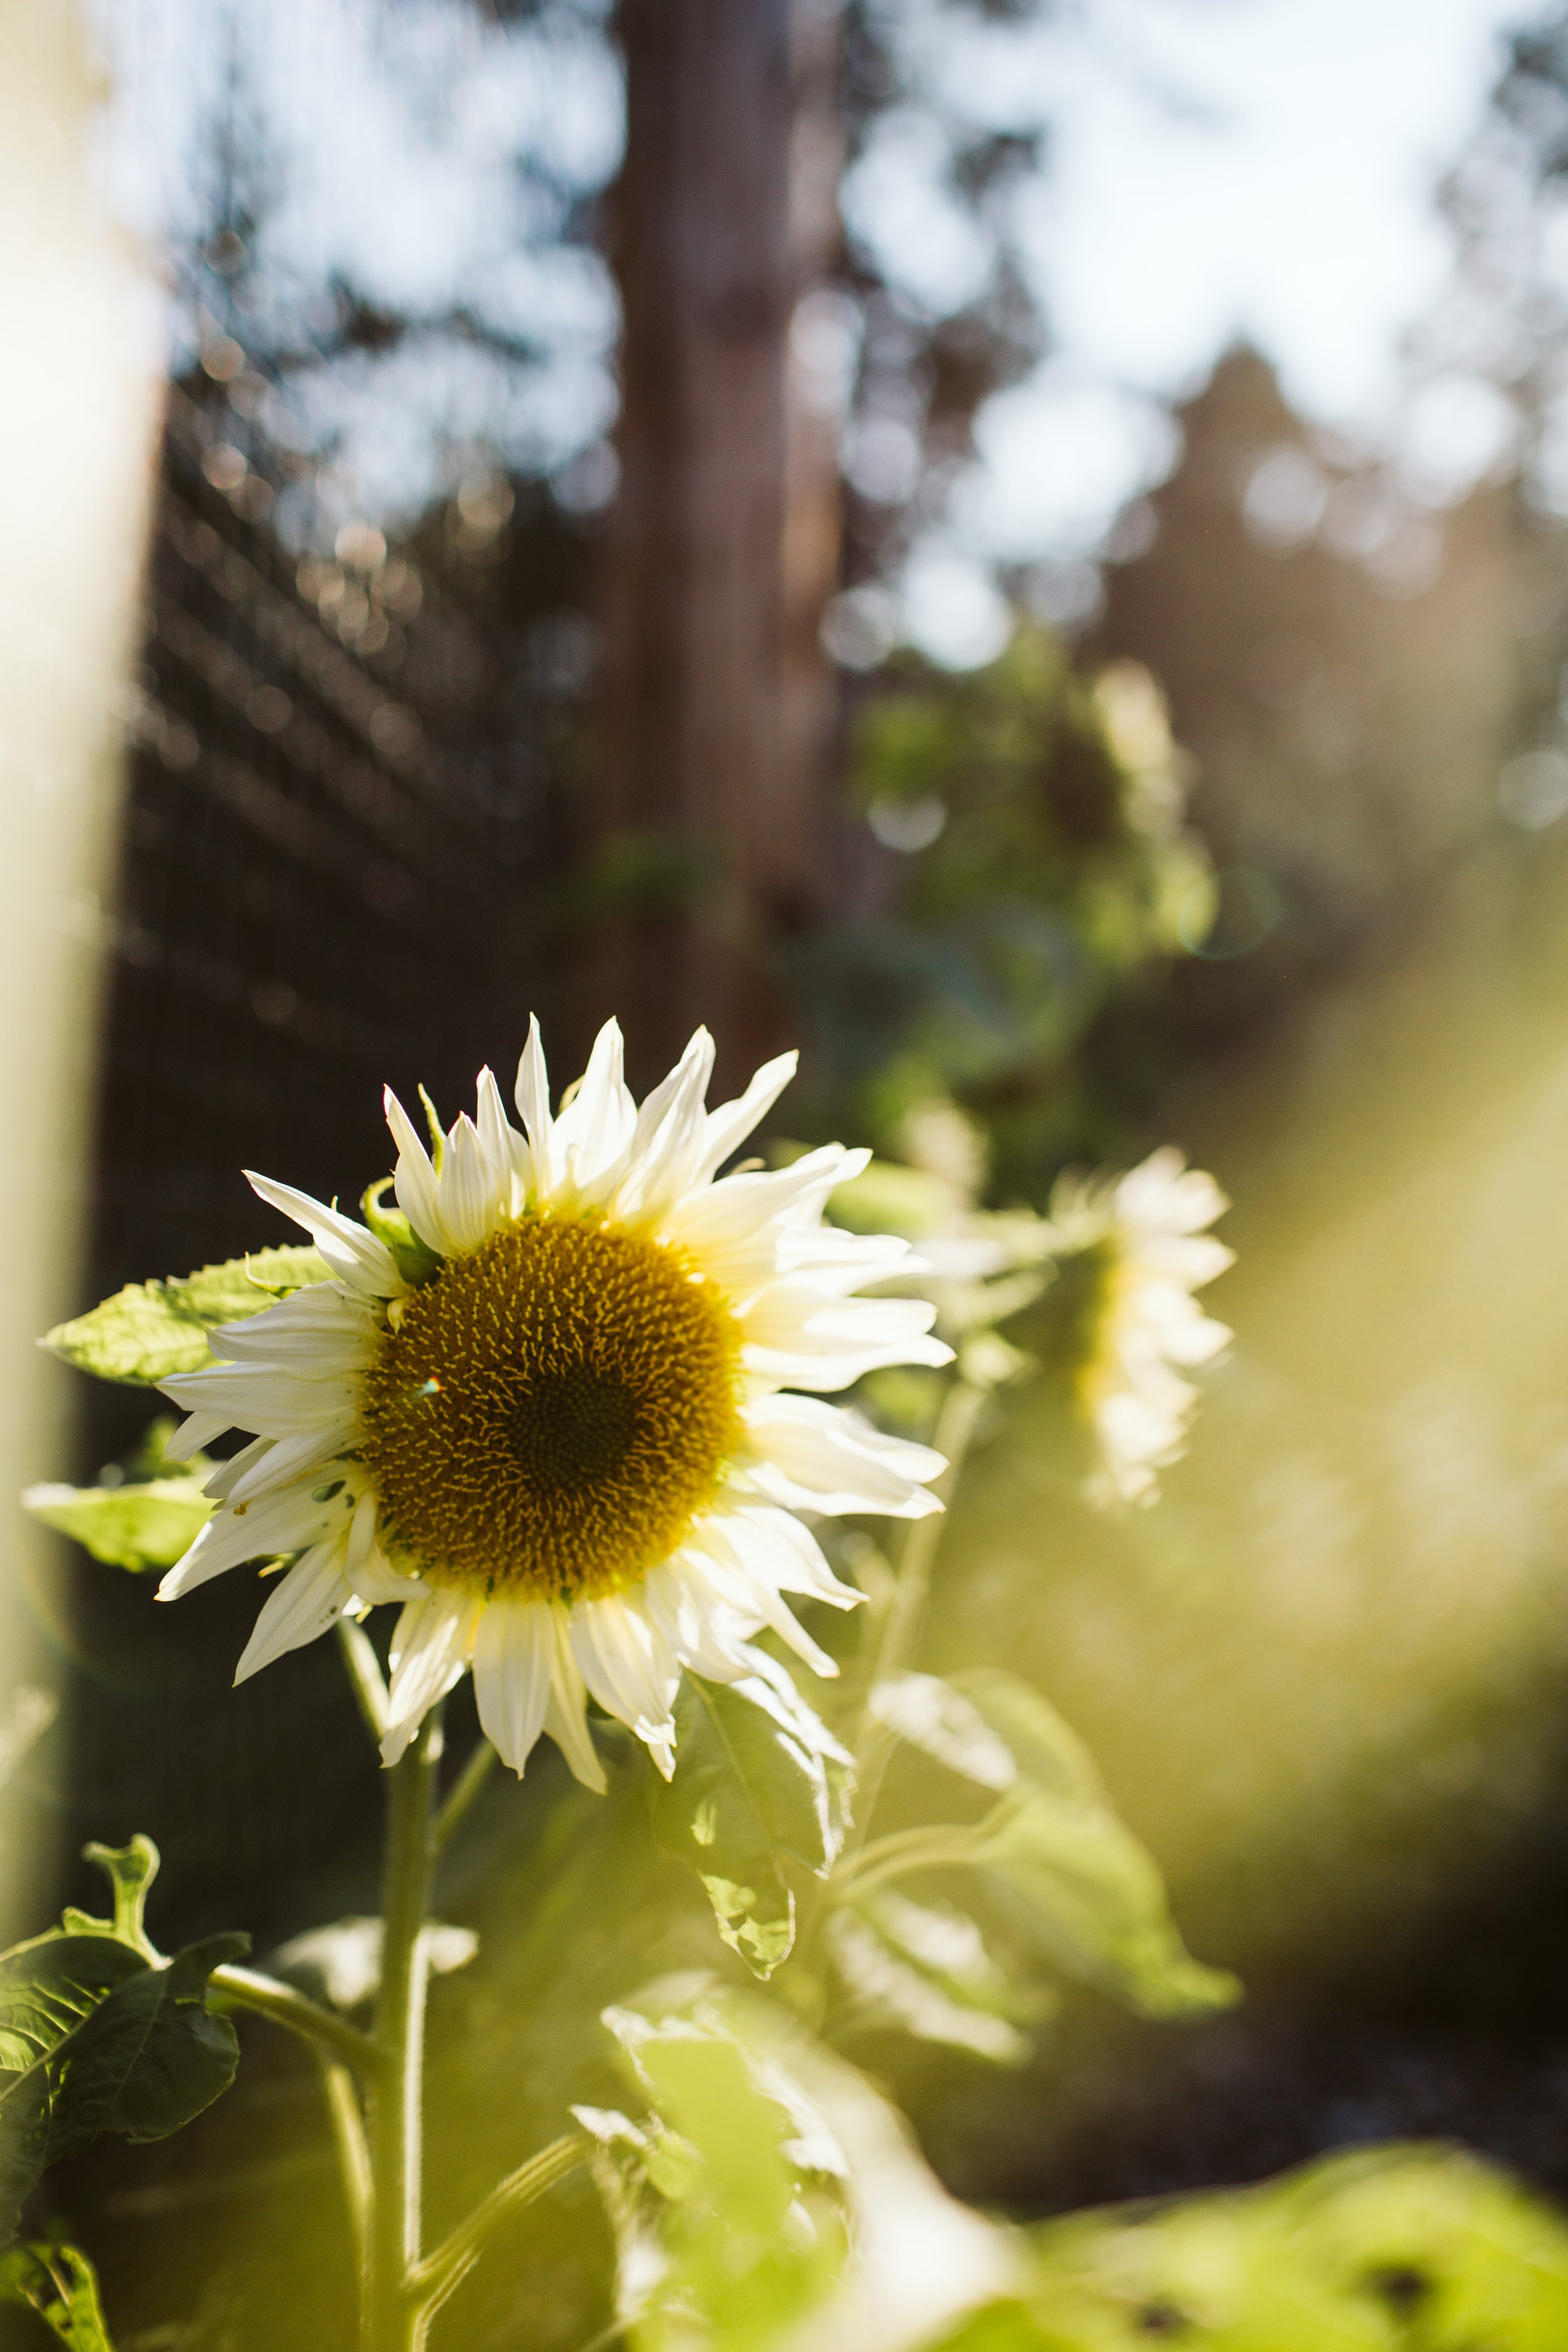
(343, 2113)
(365, 1679)
(905, 1619)
(434, 2278)
(894, 1647)
(248, 1989)
(902, 1627)
(390, 2317)
(459, 1798)
(906, 1850)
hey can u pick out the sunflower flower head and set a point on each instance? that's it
(1142, 1242)
(565, 1404)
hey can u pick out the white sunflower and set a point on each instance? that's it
(1145, 1235)
(558, 1419)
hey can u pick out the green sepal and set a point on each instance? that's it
(750, 1794)
(149, 1332)
(415, 1261)
(59, 2283)
(100, 2033)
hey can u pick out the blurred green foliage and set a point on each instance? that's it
(1423, 2248)
(56, 2283)
(1040, 873)
(143, 1513)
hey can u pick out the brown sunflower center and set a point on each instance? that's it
(551, 1410)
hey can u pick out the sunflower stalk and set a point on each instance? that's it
(905, 1617)
(922, 1540)
(464, 1794)
(365, 1678)
(392, 2313)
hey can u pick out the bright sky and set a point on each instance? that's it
(1297, 207)
(1218, 168)
(1214, 168)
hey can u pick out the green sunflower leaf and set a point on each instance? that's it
(143, 1527)
(151, 1330)
(925, 1968)
(747, 2227)
(1078, 1885)
(59, 2283)
(100, 2033)
(750, 1795)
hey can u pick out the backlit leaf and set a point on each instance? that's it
(753, 2236)
(933, 1717)
(59, 2283)
(1081, 1886)
(151, 1330)
(750, 1795)
(139, 1528)
(925, 1967)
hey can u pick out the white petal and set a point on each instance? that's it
(415, 1180)
(729, 1126)
(704, 1624)
(595, 1131)
(837, 1261)
(773, 1544)
(795, 1335)
(533, 1108)
(354, 1256)
(303, 1604)
(792, 1633)
(506, 1153)
(668, 1135)
(625, 1665)
(195, 1434)
(736, 1227)
(227, 1474)
(514, 1650)
(271, 1402)
(291, 1520)
(315, 1332)
(817, 1457)
(429, 1651)
(566, 1718)
(375, 1579)
(362, 1532)
(471, 1193)
(758, 1594)
(285, 1459)
(772, 1686)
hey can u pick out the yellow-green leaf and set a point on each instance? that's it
(59, 2283)
(151, 1330)
(143, 1527)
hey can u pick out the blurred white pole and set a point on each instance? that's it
(79, 404)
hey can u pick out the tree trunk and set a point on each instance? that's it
(705, 821)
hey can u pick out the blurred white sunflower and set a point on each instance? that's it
(555, 1412)
(1145, 1236)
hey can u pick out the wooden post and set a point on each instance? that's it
(704, 823)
